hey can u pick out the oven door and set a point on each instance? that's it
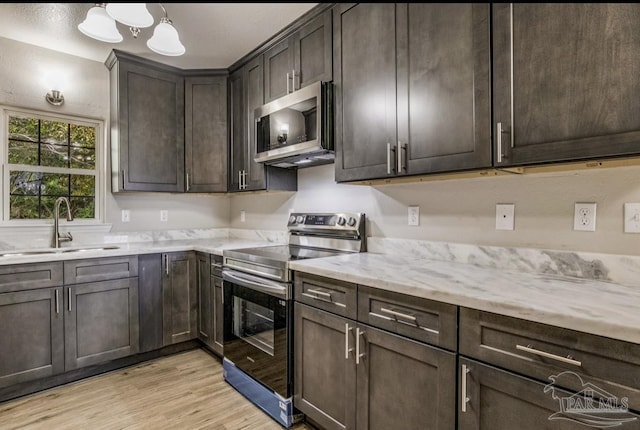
(257, 317)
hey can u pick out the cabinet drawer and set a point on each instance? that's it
(541, 351)
(100, 269)
(30, 276)
(324, 293)
(420, 319)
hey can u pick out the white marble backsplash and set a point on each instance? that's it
(157, 236)
(275, 236)
(623, 269)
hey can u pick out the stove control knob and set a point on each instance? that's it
(299, 219)
(292, 219)
(341, 220)
(351, 222)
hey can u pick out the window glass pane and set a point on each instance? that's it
(83, 158)
(23, 128)
(83, 185)
(55, 184)
(82, 135)
(46, 207)
(54, 132)
(83, 207)
(23, 207)
(23, 153)
(25, 183)
(54, 155)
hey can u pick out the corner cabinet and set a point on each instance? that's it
(180, 297)
(246, 93)
(565, 81)
(205, 133)
(147, 125)
(413, 88)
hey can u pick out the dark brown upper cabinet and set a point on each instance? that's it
(566, 81)
(205, 134)
(168, 127)
(246, 93)
(147, 125)
(301, 59)
(412, 84)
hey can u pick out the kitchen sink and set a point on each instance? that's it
(55, 251)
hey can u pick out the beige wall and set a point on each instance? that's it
(24, 72)
(463, 210)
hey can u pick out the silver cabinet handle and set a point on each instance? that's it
(388, 158)
(288, 77)
(347, 350)
(531, 350)
(57, 303)
(464, 399)
(499, 132)
(319, 293)
(398, 314)
(239, 179)
(166, 264)
(311, 296)
(401, 147)
(187, 181)
(358, 355)
(69, 298)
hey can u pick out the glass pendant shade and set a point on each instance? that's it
(99, 25)
(165, 40)
(130, 14)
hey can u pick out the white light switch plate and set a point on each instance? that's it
(505, 215)
(164, 216)
(584, 217)
(414, 215)
(243, 216)
(126, 215)
(632, 217)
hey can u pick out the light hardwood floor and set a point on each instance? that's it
(183, 391)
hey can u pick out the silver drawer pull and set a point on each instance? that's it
(532, 350)
(311, 296)
(398, 314)
(319, 293)
(347, 350)
(358, 355)
(464, 398)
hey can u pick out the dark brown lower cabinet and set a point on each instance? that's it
(31, 343)
(100, 322)
(218, 315)
(180, 297)
(352, 376)
(501, 400)
(205, 298)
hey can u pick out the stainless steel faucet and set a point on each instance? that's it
(57, 237)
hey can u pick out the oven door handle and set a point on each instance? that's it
(255, 283)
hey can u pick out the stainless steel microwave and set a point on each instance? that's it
(296, 130)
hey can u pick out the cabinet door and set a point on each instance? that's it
(180, 300)
(364, 37)
(325, 370)
(150, 301)
(101, 322)
(237, 135)
(278, 70)
(444, 87)
(205, 299)
(150, 129)
(403, 384)
(254, 98)
(218, 316)
(313, 52)
(500, 400)
(205, 134)
(566, 81)
(31, 344)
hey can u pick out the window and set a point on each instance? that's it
(47, 157)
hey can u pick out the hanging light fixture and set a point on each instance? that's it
(100, 26)
(165, 39)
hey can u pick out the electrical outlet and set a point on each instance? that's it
(164, 215)
(584, 217)
(243, 216)
(632, 217)
(126, 215)
(505, 216)
(414, 215)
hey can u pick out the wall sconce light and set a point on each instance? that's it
(54, 97)
(101, 20)
(284, 131)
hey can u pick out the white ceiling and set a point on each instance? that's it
(215, 35)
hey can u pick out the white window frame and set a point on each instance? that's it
(100, 166)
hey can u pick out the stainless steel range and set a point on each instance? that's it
(258, 306)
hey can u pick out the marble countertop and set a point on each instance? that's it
(211, 246)
(591, 306)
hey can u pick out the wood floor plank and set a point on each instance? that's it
(183, 391)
